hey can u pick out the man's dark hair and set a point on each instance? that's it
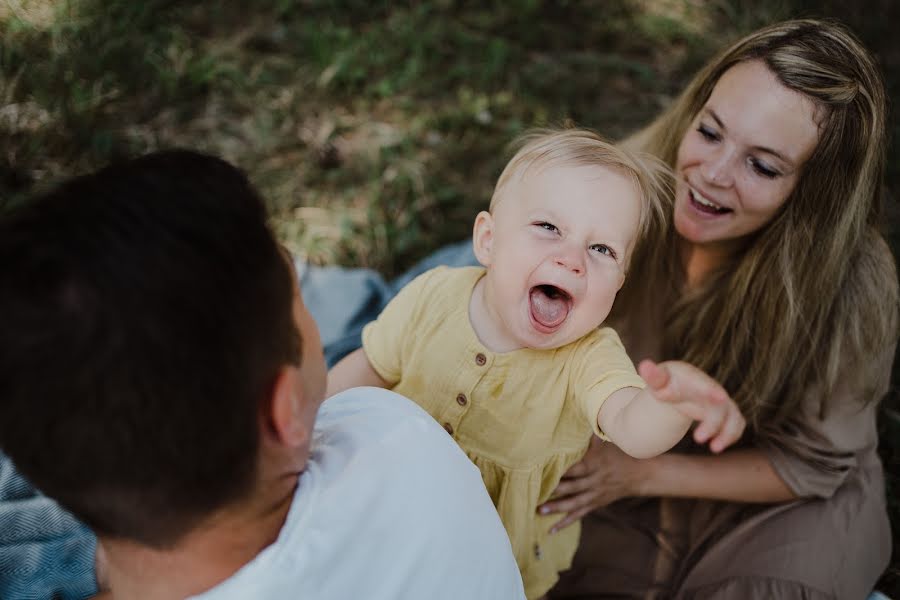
(145, 312)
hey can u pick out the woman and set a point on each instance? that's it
(771, 276)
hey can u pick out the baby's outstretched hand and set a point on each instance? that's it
(697, 396)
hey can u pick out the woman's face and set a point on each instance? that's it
(742, 156)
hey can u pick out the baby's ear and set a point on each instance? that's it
(483, 237)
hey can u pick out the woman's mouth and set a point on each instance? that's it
(549, 306)
(705, 205)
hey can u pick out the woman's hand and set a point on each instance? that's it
(605, 474)
(698, 396)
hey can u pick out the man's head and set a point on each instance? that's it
(565, 216)
(150, 326)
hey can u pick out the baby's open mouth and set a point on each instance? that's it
(549, 305)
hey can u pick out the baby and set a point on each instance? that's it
(510, 357)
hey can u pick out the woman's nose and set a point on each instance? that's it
(716, 169)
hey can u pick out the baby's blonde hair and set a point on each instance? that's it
(584, 148)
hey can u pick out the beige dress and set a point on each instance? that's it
(833, 543)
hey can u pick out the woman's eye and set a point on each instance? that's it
(547, 226)
(603, 249)
(763, 169)
(707, 133)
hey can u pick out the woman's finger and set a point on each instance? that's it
(569, 519)
(579, 469)
(563, 505)
(564, 488)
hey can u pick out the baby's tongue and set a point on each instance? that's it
(548, 310)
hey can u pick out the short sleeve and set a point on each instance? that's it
(602, 368)
(383, 339)
(814, 450)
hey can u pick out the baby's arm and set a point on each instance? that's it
(648, 422)
(354, 370)
(379, 363)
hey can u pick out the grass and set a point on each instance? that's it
(374, 129)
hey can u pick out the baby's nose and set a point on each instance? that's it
(571, 260)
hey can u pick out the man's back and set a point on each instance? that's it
(388, 507)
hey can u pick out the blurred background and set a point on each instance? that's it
(375, 130)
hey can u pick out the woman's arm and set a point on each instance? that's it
(607, 474)
(742, 475)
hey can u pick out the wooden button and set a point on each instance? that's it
(449, 428)
(480, 359)
(461, 399)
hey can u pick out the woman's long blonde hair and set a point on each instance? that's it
(813, 296)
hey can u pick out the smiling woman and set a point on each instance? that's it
(743, 156)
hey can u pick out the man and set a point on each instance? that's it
(160, 378)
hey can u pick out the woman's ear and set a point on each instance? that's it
(483, 237)
(286, 418)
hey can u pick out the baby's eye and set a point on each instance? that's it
(548, 226)
(763, 169)
(708, 133)
(603, 249)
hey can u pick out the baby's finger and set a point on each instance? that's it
(703, 388)
(730, 433)
(710, 424)
(656, 376)
(716, 394)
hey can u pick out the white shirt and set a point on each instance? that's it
(388, 507)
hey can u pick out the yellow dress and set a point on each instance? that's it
(523, 417)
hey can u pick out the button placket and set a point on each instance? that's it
(465, 384)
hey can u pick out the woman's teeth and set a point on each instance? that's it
(703, 202)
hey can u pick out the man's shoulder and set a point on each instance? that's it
(391, 449)
(374, 425)
(388, 509)
(370, 411)
(384, 474)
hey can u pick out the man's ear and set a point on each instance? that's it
(286, 401)
(483, 237)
